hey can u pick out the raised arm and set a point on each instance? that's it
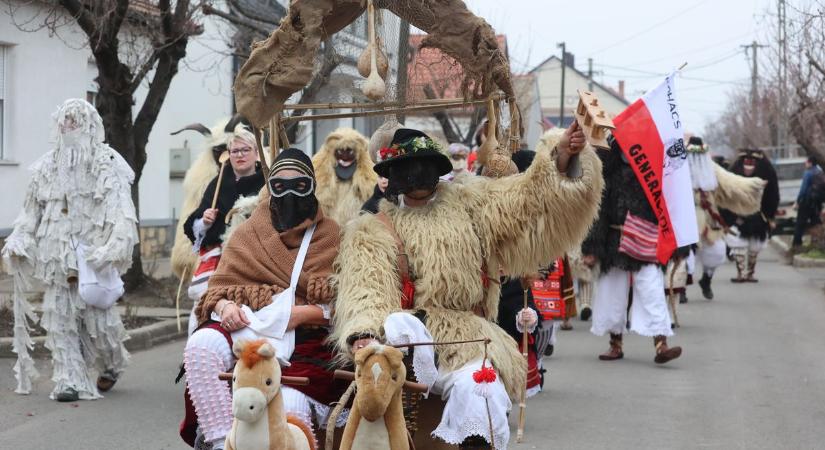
(742, 195)
(527, 219)
(369, 288)
(21, 243)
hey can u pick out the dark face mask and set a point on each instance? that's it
(411, 176)
(291, 210)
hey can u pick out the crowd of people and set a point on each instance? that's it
(351, 249)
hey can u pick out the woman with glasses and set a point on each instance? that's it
(206, 225)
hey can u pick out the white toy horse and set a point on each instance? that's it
(260, 422)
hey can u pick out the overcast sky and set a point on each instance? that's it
(634, 40)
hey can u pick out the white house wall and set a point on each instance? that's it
(549, 79)
(43, 71)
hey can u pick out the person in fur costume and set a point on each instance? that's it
(624, 197)
(715, 188)
(78, 223)
(344, 174)
(203, 170)
(425, 268)
(276, 267)
(205, 227)
(748, 233)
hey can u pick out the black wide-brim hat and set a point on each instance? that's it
(408, 145)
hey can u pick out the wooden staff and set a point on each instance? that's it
(522, 406)
(409, 385)
(292, 381)
(222, 159)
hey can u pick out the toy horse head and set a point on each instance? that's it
(379, 375)
(256, 379)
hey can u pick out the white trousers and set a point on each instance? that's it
(711, 255)
(649, 315)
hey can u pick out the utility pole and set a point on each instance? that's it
(782, 126)
(590, 74)
(754, 78)
(563, 48)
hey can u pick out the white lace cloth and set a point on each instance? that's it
(404, 328)
(465, 413)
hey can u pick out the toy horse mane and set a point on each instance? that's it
(250, 356)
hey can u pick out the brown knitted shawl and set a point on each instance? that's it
(257, 263)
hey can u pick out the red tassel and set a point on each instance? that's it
(484, 375)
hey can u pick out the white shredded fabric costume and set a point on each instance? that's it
(79, 194)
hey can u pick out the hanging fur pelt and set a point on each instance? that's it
(341, 199)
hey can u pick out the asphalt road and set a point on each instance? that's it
(752, 376)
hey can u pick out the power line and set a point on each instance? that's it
(694, 50)
(650, 28)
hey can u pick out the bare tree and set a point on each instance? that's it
(253, 21)
(133, 43)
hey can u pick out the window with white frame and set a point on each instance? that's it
(2, 100)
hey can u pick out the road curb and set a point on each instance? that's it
(142, 338)
(802, 261)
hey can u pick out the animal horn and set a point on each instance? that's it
(233, 122)
(199, 127)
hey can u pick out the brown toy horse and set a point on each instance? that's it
(260, 422)
(376, 420)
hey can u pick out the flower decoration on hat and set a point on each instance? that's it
(414, 145)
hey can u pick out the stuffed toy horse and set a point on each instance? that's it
(376, 420)
(260, 422)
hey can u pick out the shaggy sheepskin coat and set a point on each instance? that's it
(517, 222)
(341, 200)
(756, 224)
(736, 193)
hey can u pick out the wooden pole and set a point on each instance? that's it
(382, 112)
(436, 101)
(218, 186)
(264, 167)
(522, 406)
(177, 299)
(274, 135)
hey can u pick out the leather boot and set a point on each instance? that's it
(751, 267)
(740, 268)
(615, 352)
(704, 283)
(663, 352)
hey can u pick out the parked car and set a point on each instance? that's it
(789, 173)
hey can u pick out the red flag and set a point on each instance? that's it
(651, 137)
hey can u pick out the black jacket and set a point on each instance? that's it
(371, 205)
(622, 193)
(229, 193)
(756, 225)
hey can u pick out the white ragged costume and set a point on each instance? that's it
(78, 222)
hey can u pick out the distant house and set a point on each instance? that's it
(432, 74)
(548, 74)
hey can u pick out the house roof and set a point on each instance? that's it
(607, 89)
(431, 67)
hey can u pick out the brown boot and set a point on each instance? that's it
(751, 267)
(663, 352)
(740, 268)
(615, 352)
